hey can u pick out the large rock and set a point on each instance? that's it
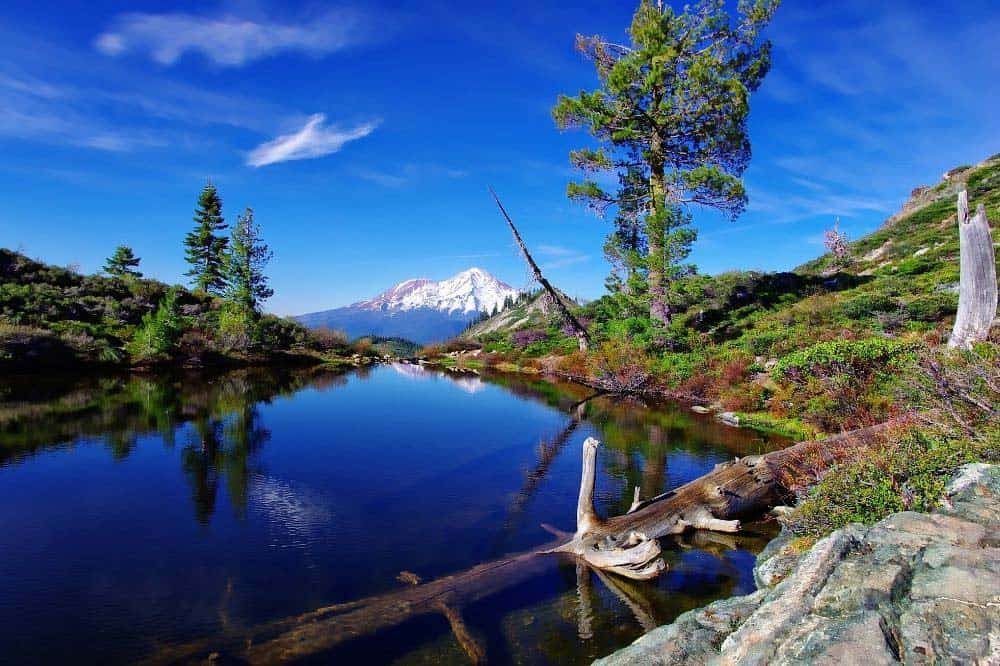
(914, 589)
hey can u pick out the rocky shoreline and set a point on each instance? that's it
(913, 588)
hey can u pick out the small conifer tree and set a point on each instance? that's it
(122, 263)
(248, 255)
(205, 249)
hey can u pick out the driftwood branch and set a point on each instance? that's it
(977, 297)
(624, 544)
(582, 337)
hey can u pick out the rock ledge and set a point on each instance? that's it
(913, 588)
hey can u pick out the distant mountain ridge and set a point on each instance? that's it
(419, 309)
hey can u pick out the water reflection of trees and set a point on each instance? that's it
(637, 436)
(216, 415)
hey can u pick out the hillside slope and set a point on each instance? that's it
(55, 316)
(803, 346)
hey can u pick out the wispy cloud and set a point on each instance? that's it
(58, 95)
(409, 173)
(313, 140)
(557, 256)
(229, 41)
(37, 110)
(785, 207)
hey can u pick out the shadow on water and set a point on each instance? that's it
(221, 437)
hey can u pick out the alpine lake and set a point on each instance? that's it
(181, 517)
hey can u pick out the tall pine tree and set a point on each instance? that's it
(205, 249)
(671, 119)
(248, 255)
(122, 263)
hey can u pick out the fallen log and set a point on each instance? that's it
(623, 544)
(627, 544)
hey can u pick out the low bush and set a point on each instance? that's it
(328, 339)
(159, 332)
(836, 357)
(868, 305)
(619, 364)
(932, 308)
(528, 336)
(237, 327)
(907, 473)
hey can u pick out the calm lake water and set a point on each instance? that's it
(148, 518)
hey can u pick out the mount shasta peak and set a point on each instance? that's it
(419, 309)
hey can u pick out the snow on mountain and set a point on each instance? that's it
(419, 309)
(472, 290)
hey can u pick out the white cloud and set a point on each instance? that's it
(37, 110)
(560, 256)
(313, 140)
(228, 41)
(410, 173)
(382, 178)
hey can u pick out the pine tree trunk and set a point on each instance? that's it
(977, 299)
(658, 310)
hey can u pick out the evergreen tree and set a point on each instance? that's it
(205, 250)
(248, 255)
(671, 117)
(122, 263)
(160, 330)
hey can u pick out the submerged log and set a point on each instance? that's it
(624, 545)
(582, 337)
(977, 298)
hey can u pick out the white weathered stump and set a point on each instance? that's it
(977, 298)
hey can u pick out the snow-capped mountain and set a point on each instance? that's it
(419, 309)
(472, 290)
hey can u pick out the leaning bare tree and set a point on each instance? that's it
(582, 337)
(977, 298)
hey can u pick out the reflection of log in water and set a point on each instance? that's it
(548, 451)
(624, 543)
(327, 627)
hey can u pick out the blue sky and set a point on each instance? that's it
(365, 135)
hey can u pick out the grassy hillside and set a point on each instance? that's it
(55, 316)
(818, 349)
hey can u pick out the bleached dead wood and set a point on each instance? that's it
(977, 297)
(582, 337)
(623, 544)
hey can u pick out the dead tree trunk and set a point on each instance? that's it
(624, 544)
(977, 297)
(627, 544)
(582, 337)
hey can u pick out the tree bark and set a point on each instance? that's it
(658, 310)
(627, 544)
(582, 337)
(977, 298)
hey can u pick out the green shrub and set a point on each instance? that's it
(279, 333)
(984, 180)
(916, 265)
(933, 307)
(160, 330)
(908, 473)
(867, 305)
(843, 356)
(237, 326)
